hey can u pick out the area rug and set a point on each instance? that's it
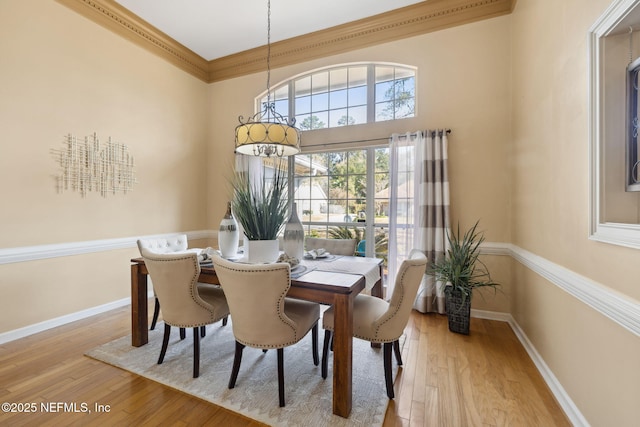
(308, 396)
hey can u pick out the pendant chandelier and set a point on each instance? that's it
(267, 133)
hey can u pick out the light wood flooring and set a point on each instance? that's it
(449, 380)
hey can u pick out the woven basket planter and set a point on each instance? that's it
(458, 310)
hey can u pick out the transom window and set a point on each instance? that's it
(346, 95)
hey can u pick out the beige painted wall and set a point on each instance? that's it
(513, 91)
(595, 359)
(62, 73)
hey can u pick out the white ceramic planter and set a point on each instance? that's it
(262, 251)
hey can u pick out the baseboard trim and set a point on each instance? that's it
(570, 409)
(62, 320)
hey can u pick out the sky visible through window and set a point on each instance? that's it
(347, 95)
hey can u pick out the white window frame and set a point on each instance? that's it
(371, 101)
(614, 233)
(369, 225)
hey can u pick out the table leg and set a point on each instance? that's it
(139, 315)
(342, 354)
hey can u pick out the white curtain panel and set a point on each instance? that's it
(419, 207)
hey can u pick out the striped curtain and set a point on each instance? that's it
(419, 207)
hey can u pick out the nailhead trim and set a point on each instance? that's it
(285, 320)
(377, 330)
(194, 285)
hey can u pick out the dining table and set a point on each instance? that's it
(330, 280)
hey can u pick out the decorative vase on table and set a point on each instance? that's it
(228, 235)
(293, 238)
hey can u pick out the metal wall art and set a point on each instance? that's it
(87, 165)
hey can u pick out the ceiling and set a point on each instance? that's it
(214, 29)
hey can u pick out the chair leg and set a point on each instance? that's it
(396, 350)
(196, 352)
(156, 310)
(183, 333)
(165, 343)
(325, 351)
(314, 343)
(203, 331)
(225, 319)
(236, 364)
(387, 369)
(281, 376)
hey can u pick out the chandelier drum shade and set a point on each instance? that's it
(268, 133)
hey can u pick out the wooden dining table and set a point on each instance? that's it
(336, 288)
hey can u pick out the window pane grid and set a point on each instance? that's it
(339, 96)
(334, 199)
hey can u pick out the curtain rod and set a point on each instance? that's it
(448, 131)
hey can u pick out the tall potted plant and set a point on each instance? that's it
(261, 206)
(461, 271)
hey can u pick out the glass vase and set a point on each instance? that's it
(293, 239)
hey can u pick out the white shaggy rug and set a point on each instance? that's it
(308, 396)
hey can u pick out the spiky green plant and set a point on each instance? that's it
(461, 269)
(261, 207)
(342, 232)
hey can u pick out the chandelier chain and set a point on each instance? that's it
(630, 45)
(268, 52)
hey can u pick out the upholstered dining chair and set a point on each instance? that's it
(379, 321)
(333, 246)
(262, 317)
(162, 245)
(184, 303)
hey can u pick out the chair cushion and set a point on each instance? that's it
(215, 297)
(304, 313)
(366, 310)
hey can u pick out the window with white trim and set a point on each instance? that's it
(345, 195)
(346, 95)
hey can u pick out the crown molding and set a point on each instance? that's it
(420, 18)
(409, 21)
(121, 21)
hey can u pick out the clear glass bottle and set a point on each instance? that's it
(293, 240)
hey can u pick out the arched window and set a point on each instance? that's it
(348, 94)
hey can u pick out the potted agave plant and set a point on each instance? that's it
(461, 271)
(261, 208)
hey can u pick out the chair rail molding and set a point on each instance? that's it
(32, 253)
(620, 308)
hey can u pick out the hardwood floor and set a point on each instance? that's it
(484, 379)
